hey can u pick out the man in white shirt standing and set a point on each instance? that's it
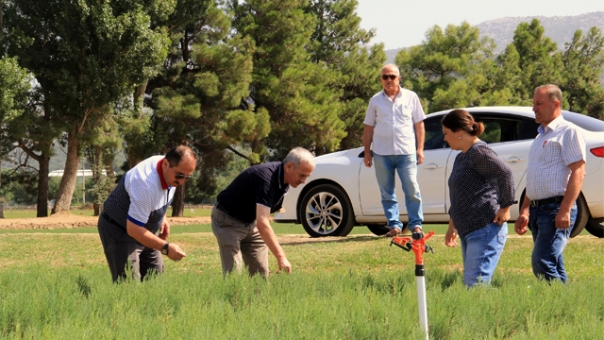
(394, 123)
(554, 178)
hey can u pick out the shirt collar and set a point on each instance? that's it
(282, 184)
(398, 95)
(551, 126)
(164, 185)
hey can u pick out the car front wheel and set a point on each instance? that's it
(326, 211)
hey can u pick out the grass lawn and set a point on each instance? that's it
(56, 285)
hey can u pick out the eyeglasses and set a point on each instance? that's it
(181, 176)
(391, 76)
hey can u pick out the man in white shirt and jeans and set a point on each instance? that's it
(394, 123)
(554, 177)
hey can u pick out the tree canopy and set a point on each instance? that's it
(242, 82)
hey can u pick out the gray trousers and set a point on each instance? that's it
(124, 253)
(239, 241)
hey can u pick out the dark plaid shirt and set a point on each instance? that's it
(480, 183)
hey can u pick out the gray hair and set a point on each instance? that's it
(391, 66)
(299, 155)
(553, 92)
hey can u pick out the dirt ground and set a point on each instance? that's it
(70, 221)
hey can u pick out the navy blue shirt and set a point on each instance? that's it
(480, 183)
(259, 184)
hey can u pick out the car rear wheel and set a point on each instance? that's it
(595, 227)
(378, 229)
(326, 211)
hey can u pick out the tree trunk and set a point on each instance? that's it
(1, 203)
(138, 97)
(69, 179)
(178, 204)
(96, 163)
(42, 203)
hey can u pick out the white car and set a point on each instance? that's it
(342, 192)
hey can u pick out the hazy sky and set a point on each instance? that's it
(403, 23)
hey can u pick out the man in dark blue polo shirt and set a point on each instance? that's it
(241, 217)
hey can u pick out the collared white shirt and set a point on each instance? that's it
(557, 146)
(393, 121)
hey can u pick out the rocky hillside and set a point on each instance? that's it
(559, 29)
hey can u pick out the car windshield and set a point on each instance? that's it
(586, 122)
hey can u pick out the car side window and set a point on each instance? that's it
(499, 129)
(529, 129)
(492, 131)
(434, 138)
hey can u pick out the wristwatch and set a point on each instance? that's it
(164, 249)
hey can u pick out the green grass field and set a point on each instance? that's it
(56, 285)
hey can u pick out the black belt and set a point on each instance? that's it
(545, 201)
(109, 219)
(224, 210)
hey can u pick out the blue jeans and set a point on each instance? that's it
(480, 252)
(406, 167)
(549, 241)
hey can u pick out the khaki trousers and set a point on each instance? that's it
(239, 243)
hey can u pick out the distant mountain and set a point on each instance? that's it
(559, 29)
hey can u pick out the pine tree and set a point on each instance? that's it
(84, 55)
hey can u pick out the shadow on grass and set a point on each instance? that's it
(337, 239)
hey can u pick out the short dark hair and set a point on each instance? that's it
(462, 120)
(175, 155)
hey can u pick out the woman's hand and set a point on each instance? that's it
(451, 235)
(503, 215)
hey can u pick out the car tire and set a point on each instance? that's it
(582, 215)
(378, 229)
(325, 210)
(595, 227)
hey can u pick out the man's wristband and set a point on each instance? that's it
(164, 249)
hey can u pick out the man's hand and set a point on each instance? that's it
(563, 220)
(175, 253)
(368, 159)
(520, 225)
(523, 219)
(420, 156)
(284, 265)
(268, 236)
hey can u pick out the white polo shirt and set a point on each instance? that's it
(393, 121)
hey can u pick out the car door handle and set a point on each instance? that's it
(432, 166)
(513, 160)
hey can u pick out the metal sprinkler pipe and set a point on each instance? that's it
(417, 244)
